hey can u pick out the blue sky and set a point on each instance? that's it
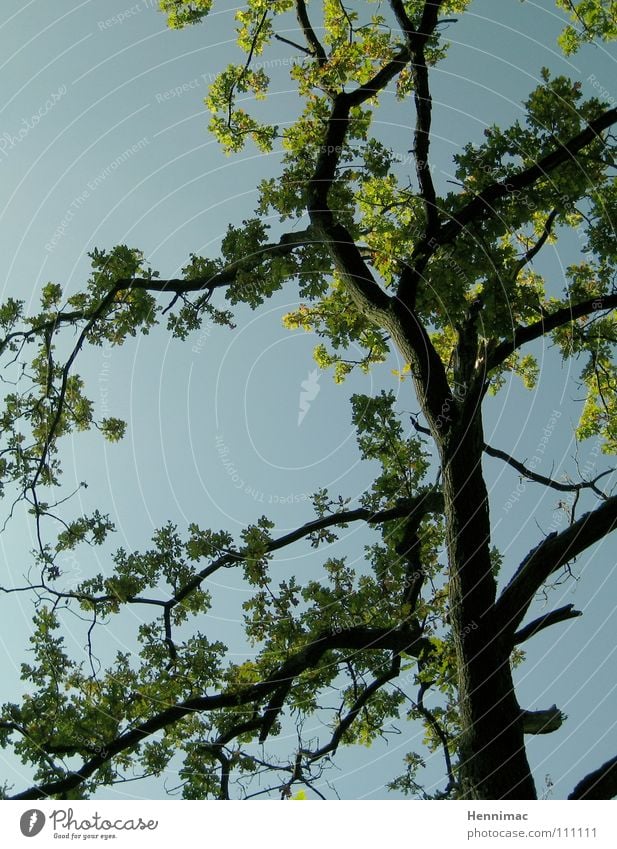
(103, 140)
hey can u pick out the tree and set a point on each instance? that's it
(448, 280)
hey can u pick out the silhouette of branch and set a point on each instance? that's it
(599, 784)
(522, 334)
(316, 47)
(562, 614)
(347, 721)
(538, 478)
(552, 554)
(397, 640)
(483, 204)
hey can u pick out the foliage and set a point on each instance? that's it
(375, 252)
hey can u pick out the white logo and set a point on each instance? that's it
(310, 391)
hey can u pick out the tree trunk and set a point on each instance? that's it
(493, 761)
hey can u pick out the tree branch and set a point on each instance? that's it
(273, 709)
(293, 44)
(356, 638)
(483, 204)
(542, 721)
(599, 784)
(438, 731)
(387, 312)
(364, 290)
(534, 476)
(359, 703)
(549, 556)
(521, 335)
(226, 276)
(428, 501)
(537, 247)
(381, 79)
(416, 41)
(531, 475)
(560, 615)
(403, 19)
(314, 43)
(286, 245)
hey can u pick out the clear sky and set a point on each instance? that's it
(103, 140)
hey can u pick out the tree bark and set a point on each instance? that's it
(493, 761)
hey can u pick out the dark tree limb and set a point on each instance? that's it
(440, 733)
(293, 44)
(367, 295)
(427, 501)
(389, 313)
(542, 721)
(58, 595)
(247, 65)
(403, 19)
(315, 45)
(561, 486)
(225, 773)
(416, 41)
(548, 557)
(599, 784)
(169, 642)
(356, 639)
(225, 277)
(538, 478)
(522, 334)
(562, 614)
(484, 203)
(402, 324)
(216, 750)
(274, 708)
(381, 79)
(363, 698)
(535, 249)
(100, 310)
(409, 279)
